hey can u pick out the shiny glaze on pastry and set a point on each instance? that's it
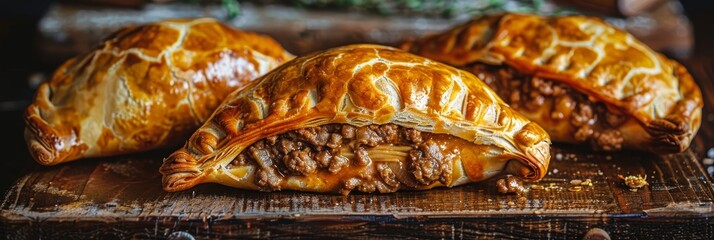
(144, 87)
(363, 117)
(578, 77)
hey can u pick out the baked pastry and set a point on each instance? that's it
(581, 79)
(144, 87)
(363, 117)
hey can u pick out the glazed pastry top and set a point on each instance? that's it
(144, 87)
(359, 85)
(607, 64)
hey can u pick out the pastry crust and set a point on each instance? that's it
(602, 62)
(360, 86)
(144, 87)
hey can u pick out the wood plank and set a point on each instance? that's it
(127, 191)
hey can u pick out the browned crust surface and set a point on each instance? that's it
(359, 85)
(601, 61)
(144, 87)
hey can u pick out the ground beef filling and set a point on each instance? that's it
(365, 152)
(592, 122)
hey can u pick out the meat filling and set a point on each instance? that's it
(592, 122)
(366, 151)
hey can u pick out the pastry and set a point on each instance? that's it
(362, 117)
(583, 80)
(144, 87)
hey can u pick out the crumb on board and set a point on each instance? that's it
(511, 184)
(580, 183)
(552, 186)
(634, 182)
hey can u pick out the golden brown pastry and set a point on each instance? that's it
(581, 79)
(362, 117)
(144, 87)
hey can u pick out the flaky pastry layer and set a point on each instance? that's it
(144, 87)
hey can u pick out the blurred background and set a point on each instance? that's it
(38, 35)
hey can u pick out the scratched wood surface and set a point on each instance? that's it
(123, 197)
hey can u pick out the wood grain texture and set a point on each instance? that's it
(122, 198)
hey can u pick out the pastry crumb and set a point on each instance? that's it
(511, 184)
(634, 182)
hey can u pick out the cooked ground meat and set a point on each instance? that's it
(337, 163)
(323, 158)
(387, 175)
(583, 133)
(362, 157)
(511, 184)
(334, 147)
(300, 162)
(351, 184)
(609, 139)
(335, 140)
(287, 146)
(269, 177)
(241, 160)
(414, 136)
(592, 121)
(428, 164)
(348, 131)
(367, 136)
(315, 136)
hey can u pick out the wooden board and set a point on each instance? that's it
(123, 197)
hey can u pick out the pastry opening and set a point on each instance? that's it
(589, 122)
(370, 158)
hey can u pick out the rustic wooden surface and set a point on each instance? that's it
(122, 197)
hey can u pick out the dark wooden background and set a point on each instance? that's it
(122, 197)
